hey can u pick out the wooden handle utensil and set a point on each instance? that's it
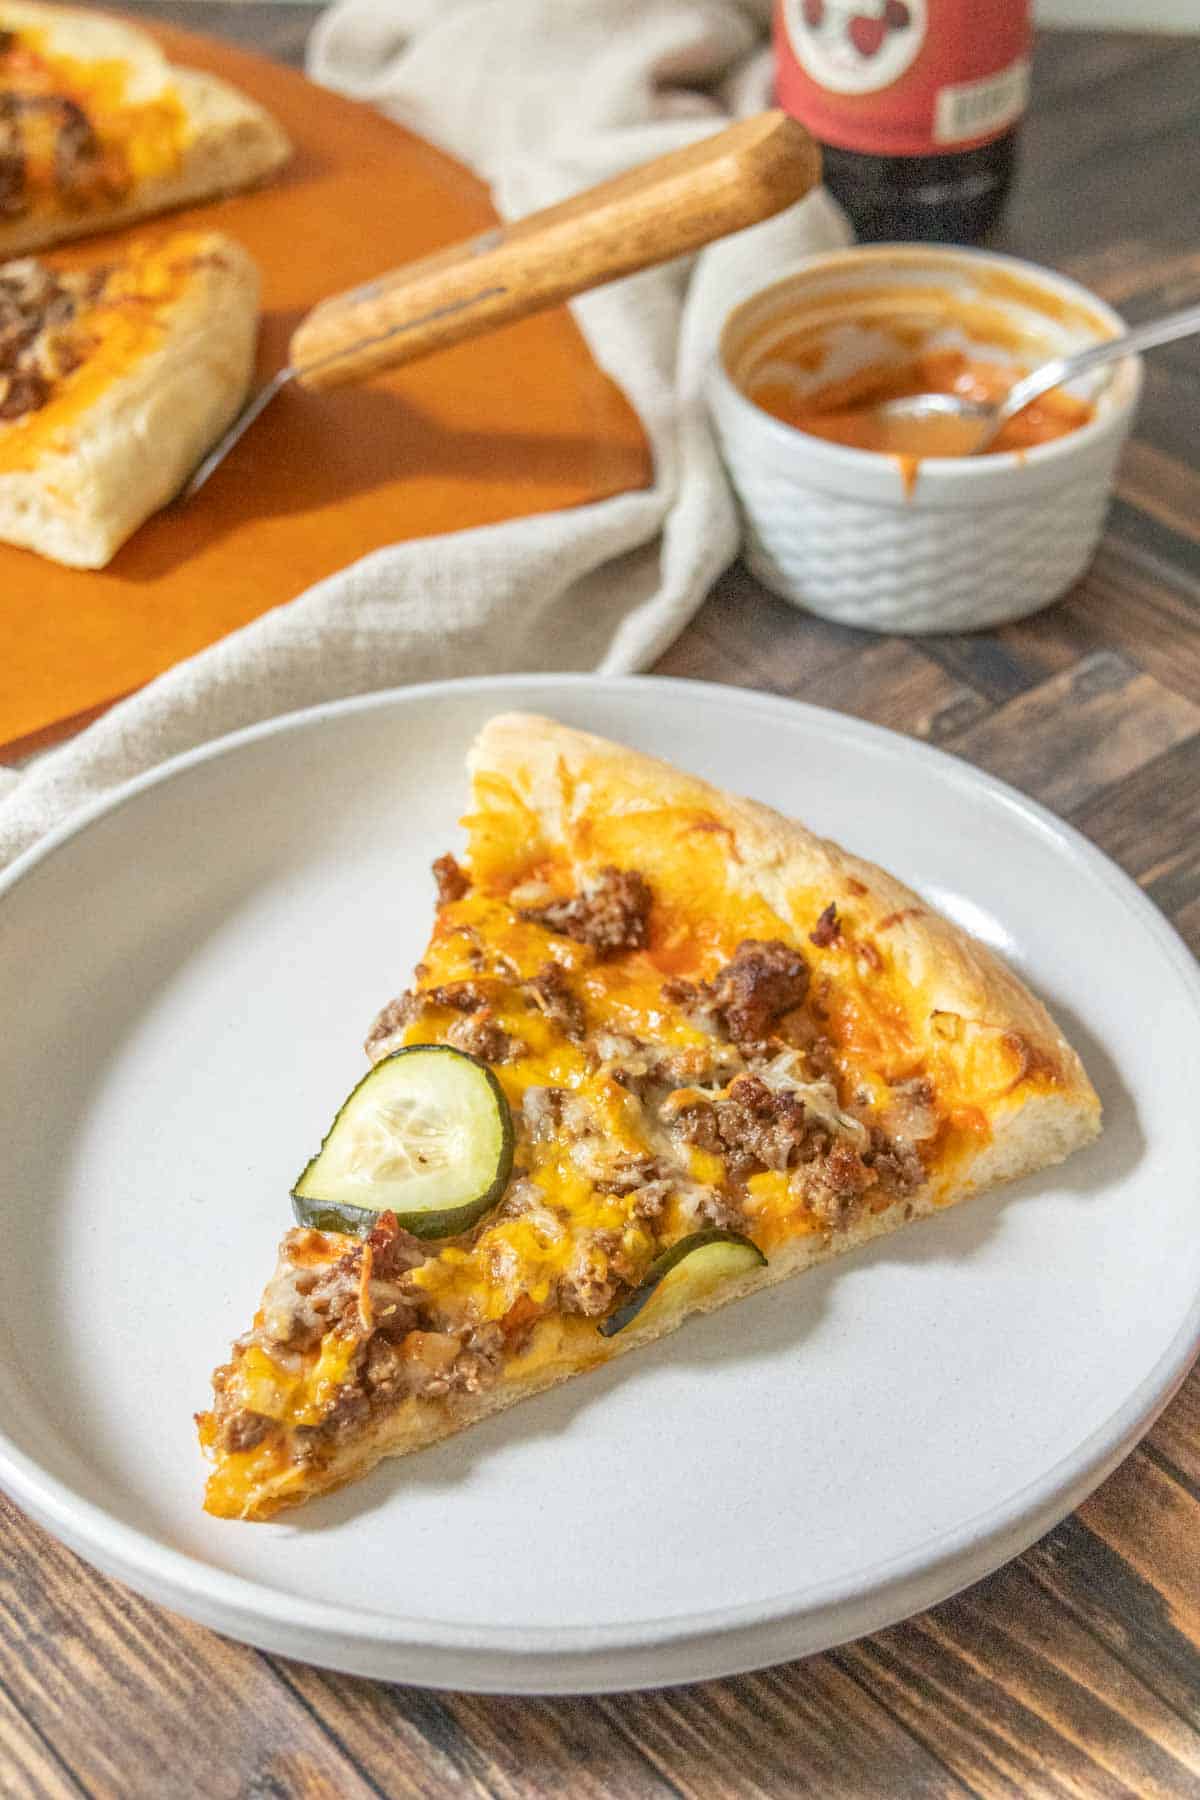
(647, 216)
(668, 207)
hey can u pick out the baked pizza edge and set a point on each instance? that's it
(234, 142)
(130, 452)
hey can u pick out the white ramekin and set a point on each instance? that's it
(977, 541)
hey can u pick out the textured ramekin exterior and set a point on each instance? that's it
(977, 542)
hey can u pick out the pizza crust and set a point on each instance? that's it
(93, 483)
(231, 142)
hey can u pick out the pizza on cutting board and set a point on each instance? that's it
(98, 129)
(665, 1048)
(114, 380)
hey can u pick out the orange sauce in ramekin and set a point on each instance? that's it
(847, 412)
(823, 358)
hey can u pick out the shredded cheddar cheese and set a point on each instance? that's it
(136, 138)
(124, 322)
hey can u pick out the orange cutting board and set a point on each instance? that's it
(519, 422)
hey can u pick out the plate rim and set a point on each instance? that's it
(957, 1557)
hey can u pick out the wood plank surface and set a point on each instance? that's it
(1074, 1671)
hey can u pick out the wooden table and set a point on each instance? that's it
(1074, 1671)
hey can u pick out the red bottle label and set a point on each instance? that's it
(903, 77)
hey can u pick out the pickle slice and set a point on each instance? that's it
(426, 1134)
(685, 1273)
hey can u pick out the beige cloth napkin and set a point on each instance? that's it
(542, 97)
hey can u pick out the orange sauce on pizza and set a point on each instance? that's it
(139, 139)
(124, 325)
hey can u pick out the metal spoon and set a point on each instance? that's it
(982, 420)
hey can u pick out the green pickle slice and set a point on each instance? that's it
(683, 1274)
(426, 1134)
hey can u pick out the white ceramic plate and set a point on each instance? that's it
(185, 978)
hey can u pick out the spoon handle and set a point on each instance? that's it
(1065, 368)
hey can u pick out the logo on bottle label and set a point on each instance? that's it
(903, 77)
(855, 46)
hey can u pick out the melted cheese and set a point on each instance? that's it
(776, 1214)
(239, 1477)
(140, 139)
(126, 323)
(294, 1397)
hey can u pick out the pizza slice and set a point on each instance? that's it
(114, 380)
(97, 128)
(665, 1048)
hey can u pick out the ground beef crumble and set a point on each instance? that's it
(395, 1357)
(834, 1185)
(763, 980)
(39, 340)
(388, 1023)
(475, 1031)
(23, 392)
(761, 1128)
(895, 1162)
(696, 1124)
(720, 1207)
(600, 1270)
(629, 1172)
(304, 1299)
(452, 882)
(244, 1430)
(827, 929)
(587, 1291)
(552, 992)
(647, 1203)
(541, 1110)
(468, 996)
(482, 1037)
(610, 912)
(78, 159)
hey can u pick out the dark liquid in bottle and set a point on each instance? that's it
(954, 199)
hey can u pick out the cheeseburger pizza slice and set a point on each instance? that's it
(97, 128)
(114, 380)
(665, 1048)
